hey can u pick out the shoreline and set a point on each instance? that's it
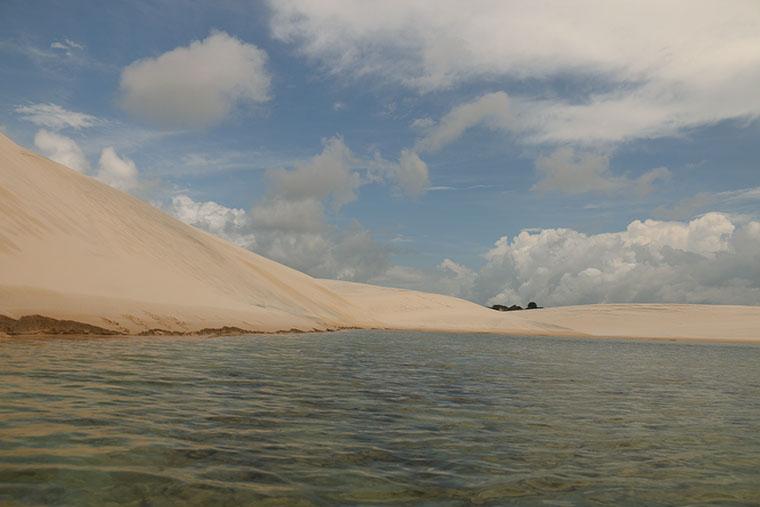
(75, 329)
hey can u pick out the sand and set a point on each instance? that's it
(412, 310)
(79, 257)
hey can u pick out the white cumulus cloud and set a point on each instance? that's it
(196, 85)
(411, 173)
(231, 224)
(61, 149)
(711, 259)
(118, 172)
(291, 223)
(279, 214)
(327, 175)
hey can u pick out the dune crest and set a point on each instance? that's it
(77, 256)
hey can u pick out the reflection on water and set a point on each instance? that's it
(377, 418)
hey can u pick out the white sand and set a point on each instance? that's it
(74, 249)
(403, 309)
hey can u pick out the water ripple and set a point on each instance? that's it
(358, 418)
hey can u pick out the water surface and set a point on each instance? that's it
(370, 418)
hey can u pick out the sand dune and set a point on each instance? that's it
(404, 309)
(73, 248)
(77, 256)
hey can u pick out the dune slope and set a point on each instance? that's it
(79, 257)
(73, 248)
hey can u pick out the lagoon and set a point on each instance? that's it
(377, 418)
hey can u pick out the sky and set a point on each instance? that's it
(562, 152)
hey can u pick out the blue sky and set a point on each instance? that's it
(402, 145)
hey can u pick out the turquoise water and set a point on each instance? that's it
(370, 418)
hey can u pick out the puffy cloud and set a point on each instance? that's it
(295, 233)
(278, 214)
(196, 85)
(568, 171)
(411, 173)
(292, 227)
(62, 149)
(336, 174)
(679, 65)
(55, 117)
(491, 109)
(118, 172)
(711, 259)
(350, 254)
(229, 223)
(327, 175)
(457, 279)
(291, 223)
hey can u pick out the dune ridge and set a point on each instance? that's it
(79, 257)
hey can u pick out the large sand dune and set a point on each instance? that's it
(77, 256)
(73, 248)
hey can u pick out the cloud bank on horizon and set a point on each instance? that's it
(614, 144)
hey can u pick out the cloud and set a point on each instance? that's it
(295, 233)
(408, 175)
(568, 171)
(422, 123)
(61, 149)
(328, 175)
(196, 85)
(336, 174)
(411, 173)
(565, 170)
(118, 172)
(448, 188)
(350, 254)
(292, 222)
(66, 45)
(743, 200)
(711, 259)
(55, 117)
(279, 214)
(491, 109)
(457, 279)
(231, 224)
(675, 67)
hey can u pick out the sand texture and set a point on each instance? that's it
(79, 257)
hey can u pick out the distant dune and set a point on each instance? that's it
(79, 257)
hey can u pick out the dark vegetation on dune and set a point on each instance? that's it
(504, 308)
